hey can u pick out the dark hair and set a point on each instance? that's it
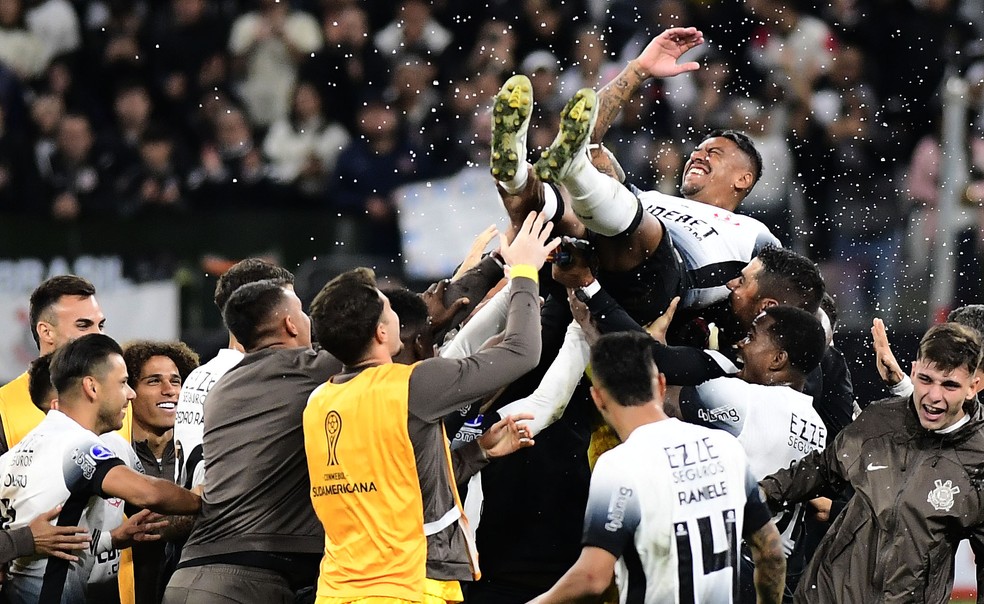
(798, 333)
(80, 358)
(829, 308)
(48, 293)
(246, 271)
(950, 346)
(790, 278)
(136, 354)
(345, 313)
(249, 309)
(411, 309)
(39, 382)
(622, 364)
(971, 315)
(746, 146)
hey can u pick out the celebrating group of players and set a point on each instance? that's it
(694, 427)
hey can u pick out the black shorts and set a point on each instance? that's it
(645, 291)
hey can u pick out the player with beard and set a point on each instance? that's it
(639, 264)
(62, 461)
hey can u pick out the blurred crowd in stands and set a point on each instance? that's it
(130, 107)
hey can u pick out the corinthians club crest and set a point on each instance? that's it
(942, 496)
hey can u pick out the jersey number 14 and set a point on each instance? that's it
(712, 561)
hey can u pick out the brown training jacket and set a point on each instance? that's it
(917, 495)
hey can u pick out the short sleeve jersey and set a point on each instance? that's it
(57, 463)
(189, 418)
(670, 503)
(776, 426)
(715, 244)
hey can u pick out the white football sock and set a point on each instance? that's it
(600, 202)
(518, 182)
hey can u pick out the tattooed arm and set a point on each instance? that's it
(770, 563)
(658, 60)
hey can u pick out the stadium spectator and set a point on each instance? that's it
(232, 171)
(78, 179)
(369, 169)
(132, 112)
(56, 24)
(155, 184)
(188, 37)
(16, 167)
(347, 62)
(304, 147)
(494, 52)
(413, 29)
(20, 48)
(267, 45)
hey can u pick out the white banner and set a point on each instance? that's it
(440, 219)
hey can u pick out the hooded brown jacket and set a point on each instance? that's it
(917, 495)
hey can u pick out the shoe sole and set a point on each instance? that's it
(510, 120)
(576, 123)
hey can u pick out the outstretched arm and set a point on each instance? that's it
(657, 60)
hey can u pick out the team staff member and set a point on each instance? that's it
(915, 465)
(667, 506)
(61, 309)
(378, 458)
(189, 423)
(257, 539)
(63, 462)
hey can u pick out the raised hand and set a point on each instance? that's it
(657, 329)
(888, 367)
(659, 58)
(477, 249)
(532, 244)
(439, 314)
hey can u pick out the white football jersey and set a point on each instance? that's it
(107, 563)
(715, 244)
(670, 503)
(189, 418)
(776, 426)
(57, 463)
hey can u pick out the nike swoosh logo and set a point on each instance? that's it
(872, 466)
